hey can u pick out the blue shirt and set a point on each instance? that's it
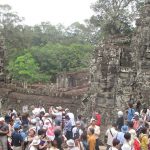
(131, 112)
(17, 139)
(120, 137)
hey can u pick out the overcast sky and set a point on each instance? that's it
(54, 11)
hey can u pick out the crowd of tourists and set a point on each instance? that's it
(59, 129)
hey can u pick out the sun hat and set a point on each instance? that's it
(36, 141)
(16, 126)
(136, 114)
(59, 108)
(120, 113)
(71, 143)
(33, 121)
(93, 119)
(124, 129)
(46, 115)
(33, 128)
(2, 119)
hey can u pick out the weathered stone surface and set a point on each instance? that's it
(120, 70)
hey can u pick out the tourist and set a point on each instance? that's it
(132, 131)
(82, 123)
(111, 133)
(120, 135)
(135, 121)
(71, 145)
(17, 139)
(35, 144)
(4, 130)
(138, 107)
(71, 116)
(131, 112)
(84, 141)
(77, 131)
(144, 139)
(120, 120)
(59, 138)
(141, 126)
(127, 143)
(68, 128)
(97, 116)
(115, 145)
(96, 132)
(91, 139)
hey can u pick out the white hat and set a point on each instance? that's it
(67, 109)
(46, 115)
(120, 113)
(70, 143)
(92, 120)
(33, 121)
(59, 108)
(2, 119)
(36, 141)
(136, 114)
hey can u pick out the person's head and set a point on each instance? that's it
(136, 116)
(124, 129)
(80, 117)
(42, 114)
(116, 143)
(93, 122)
(41, 132)
(67, 117)
(130, 105)
(130, 124)
(78, 124)
(32, 132)
(144, 110)
(144, 130)
(120, 114)
(17, 127)
(114, 125)
(57, 132)
(91, 131)
(10, 110)
(84, 136)
(66, 110)
(70, 143)
(33, 122)
(127, 136)
(2, 120)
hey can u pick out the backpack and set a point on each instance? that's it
(77, 135)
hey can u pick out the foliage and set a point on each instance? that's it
(114, 16)
(24, 68)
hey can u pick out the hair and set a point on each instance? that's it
(79, 117)
(127, 136)
(67, 117)
(130, 124)
(54, 143)
(84, 136)
(57, 132)
(92, 130)
(41, 132)
(144, 130)
(115, 142)
(114, 124)
(145, 110)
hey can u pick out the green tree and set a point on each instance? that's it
(24, 68)
(114, 16)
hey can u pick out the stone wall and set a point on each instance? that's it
(120, 70)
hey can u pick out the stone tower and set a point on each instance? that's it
(120, 70)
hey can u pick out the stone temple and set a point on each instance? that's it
(120, 70)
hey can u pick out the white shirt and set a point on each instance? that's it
(126, 146)
(71, 116)
(32, 148)
(113, 148)
(111, 136)
(74, 130)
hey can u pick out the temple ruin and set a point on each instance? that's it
(120, 70)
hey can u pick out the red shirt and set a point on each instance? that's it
(98, 119)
